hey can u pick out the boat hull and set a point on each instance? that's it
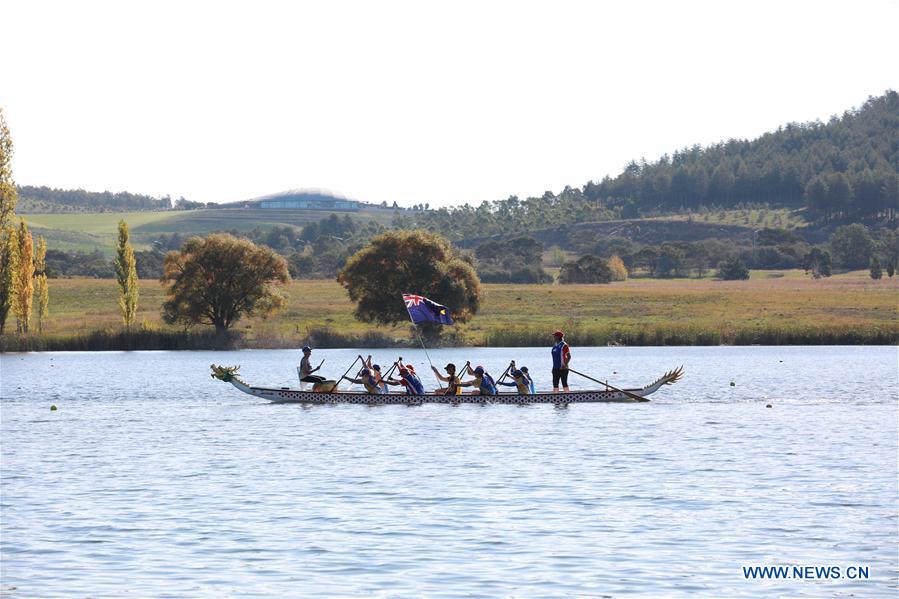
(299, 396)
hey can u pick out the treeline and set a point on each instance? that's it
(777, 168)
(47, 199)
(843, 169)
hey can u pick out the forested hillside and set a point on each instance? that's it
(842, 170)
(46, 199)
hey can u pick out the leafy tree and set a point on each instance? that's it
(587, 269)
(817, 262)
(733, 269)
(874, 268)
(416, 262)
(670, 261)
(40, 283)
(619, 270)
(8, 194)
(126, 275)
(852, 246)
(9, 267)
(24, 279)
(218, 279)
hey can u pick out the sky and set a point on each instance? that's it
(414, 102)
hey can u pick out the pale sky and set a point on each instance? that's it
(416, 102)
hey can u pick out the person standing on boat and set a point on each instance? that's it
(452, 387)
(371, 384)
(482, 381)
(306, 368)
(561, 357)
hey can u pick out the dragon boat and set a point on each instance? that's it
(280, 395)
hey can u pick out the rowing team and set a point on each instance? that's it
(374, 382)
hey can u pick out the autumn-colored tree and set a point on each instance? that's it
(619, 270)
(217, 279)
(126, 275)
(9, 262)
(8, 194)
(9, 267)
(398, 262)
(24, 279)
(587, 269)
(40, 283)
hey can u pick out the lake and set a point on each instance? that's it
(154, 480)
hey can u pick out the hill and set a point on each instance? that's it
(841, 171)
(88, 232)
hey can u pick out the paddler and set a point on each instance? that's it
(376, 372)
(366, 379)
(408, 379)
(306, 368)
(520, 379)
(452, 387)
(561, 357)
(482, 381)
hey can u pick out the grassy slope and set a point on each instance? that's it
(89, 231)
(792, 302)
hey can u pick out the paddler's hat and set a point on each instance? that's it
(524, 369)
(365, 372)
(479, 370)
(306, 349)
(450, 366)
(376, 367)
(558, 334)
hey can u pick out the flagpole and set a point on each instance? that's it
(417, 332)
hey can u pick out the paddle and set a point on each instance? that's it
(608, 386)
(505, 373)
(347, 370)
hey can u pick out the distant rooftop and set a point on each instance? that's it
(306, 193)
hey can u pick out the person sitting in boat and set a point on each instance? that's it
(452, 387)
(409, 380)
(306, 368)
(527, 375)
(482, 381)
(519, 380)
(368, 381)
(376, 372)
(561, 357)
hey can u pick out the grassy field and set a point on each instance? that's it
(791, 308)
(89, 231)
(780, 218)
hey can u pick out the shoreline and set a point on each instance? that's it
(322, 339)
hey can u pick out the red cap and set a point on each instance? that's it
(558, 334)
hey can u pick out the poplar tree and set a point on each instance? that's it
(40, 283)
(9, 262)
(24, 279)
(9, 266)
(126, 275)
(8, 194)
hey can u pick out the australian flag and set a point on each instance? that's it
(421, 309)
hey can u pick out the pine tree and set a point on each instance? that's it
(126, 275)
(40, 283)
(24, 279)
(9, 266)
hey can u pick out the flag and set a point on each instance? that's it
(421, 309)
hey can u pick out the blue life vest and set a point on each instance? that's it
(557, 354)
(488, 387)
(413, 384)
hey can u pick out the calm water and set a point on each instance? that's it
(154, 480)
